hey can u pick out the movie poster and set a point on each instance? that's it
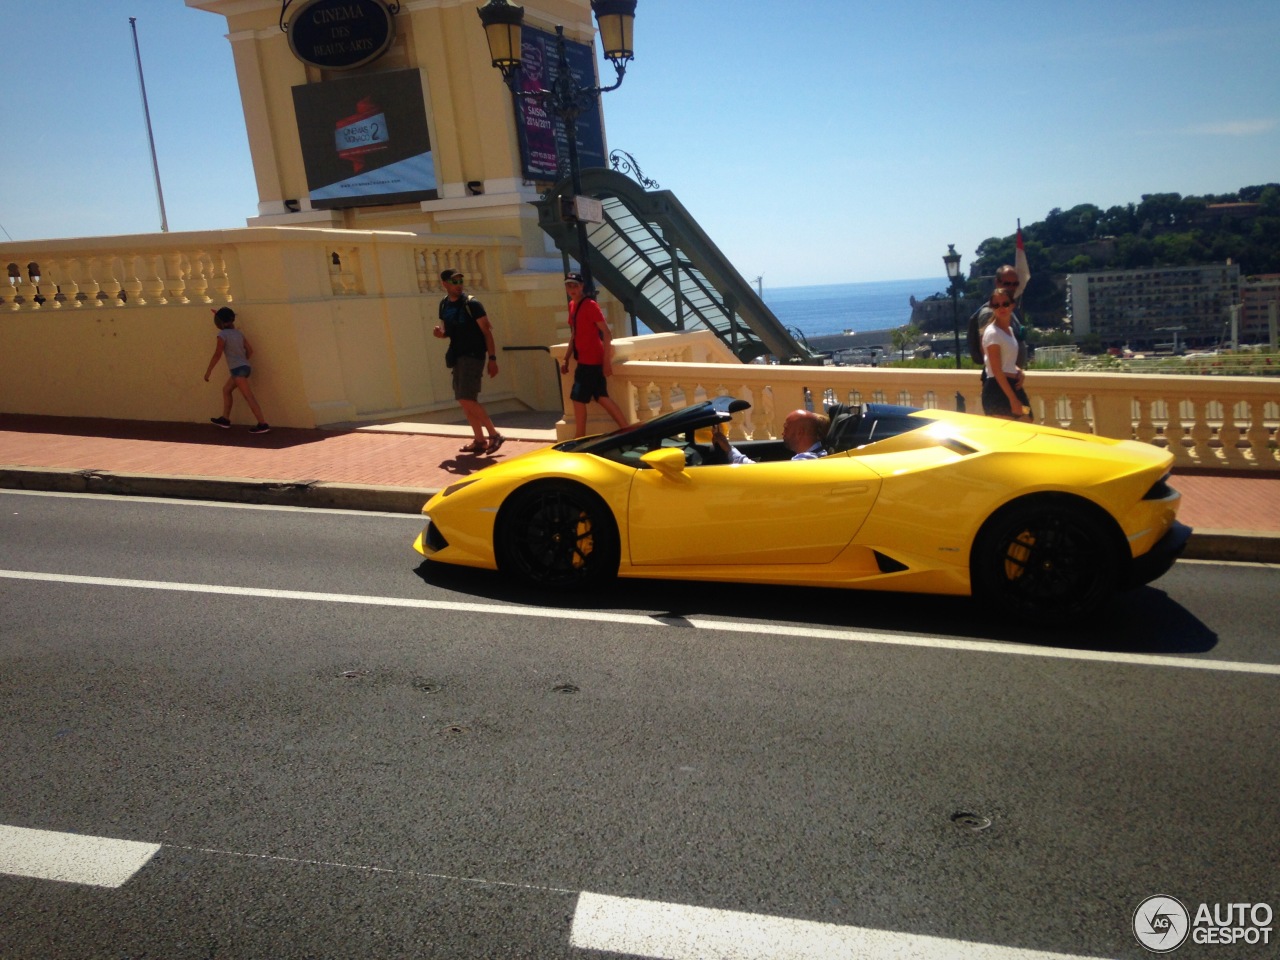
(541, 133)
(365, 141)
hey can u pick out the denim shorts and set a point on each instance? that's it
(240, 371)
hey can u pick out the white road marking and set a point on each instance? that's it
(656, 620)
(671, 931)
(70, 857)
(643, 928)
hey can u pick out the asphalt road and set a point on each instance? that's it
(319, 747)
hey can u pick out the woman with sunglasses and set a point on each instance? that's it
(1002, 393)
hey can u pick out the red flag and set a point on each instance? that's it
(1020, 264)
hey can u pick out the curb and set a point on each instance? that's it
(276, 493)
(1237, 545)
(1233, 545)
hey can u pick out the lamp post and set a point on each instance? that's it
(566, 99)
(952, 260)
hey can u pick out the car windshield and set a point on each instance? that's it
(851, 428)
(660, 431)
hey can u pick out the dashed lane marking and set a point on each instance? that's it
(71, 857)
(672, 931)
(661, 620)
(642, 928)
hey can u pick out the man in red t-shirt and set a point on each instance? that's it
(591, 343)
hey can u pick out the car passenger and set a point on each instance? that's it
(803, 432)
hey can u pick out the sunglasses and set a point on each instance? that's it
(1001, 306)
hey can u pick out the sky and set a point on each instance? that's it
(815, 142)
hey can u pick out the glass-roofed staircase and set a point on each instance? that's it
(654, 258)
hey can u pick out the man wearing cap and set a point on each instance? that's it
(591, 344)
(471, 350)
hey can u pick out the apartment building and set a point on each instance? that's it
(1259, 304)
(1155, 306)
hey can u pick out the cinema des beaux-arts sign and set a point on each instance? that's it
(341, 34)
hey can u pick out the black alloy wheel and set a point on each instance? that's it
(1046, 561)
(557, 534)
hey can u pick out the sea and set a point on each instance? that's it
(858, 307)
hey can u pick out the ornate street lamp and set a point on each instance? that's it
(952, 260)
(566, 99)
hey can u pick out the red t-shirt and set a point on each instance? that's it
(584, 322)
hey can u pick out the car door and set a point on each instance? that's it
(795, 511)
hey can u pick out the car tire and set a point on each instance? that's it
(557, 534)
(1045, 561)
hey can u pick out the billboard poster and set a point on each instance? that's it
(365, 141)
(541, 133)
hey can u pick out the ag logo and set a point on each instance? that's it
(1161, 923)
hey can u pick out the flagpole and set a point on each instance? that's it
(146, 112)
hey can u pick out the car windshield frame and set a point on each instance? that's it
(651, 433)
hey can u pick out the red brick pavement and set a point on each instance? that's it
(396, 459)
(427, 460)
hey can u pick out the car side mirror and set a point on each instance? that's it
(669, 461)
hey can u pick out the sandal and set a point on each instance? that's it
(495, 441)
(475, 446)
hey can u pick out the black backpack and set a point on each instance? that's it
(471, 340)
(975, 339)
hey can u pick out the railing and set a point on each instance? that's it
(1206, 422)
(153, 270)
(120, 327)
(342, 321)
(146, 275)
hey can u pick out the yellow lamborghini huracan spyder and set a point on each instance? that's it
(1044, 522)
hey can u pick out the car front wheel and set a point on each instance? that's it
(1045, 561)
(557, 534)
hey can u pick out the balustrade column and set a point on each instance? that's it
(109, 285)
(1174, 433)
(64, 288)
(1079, 420)
(220, 281)
(153, 284)
(1201, 433)
(175, 277)
(1259, 436)
(1229, 434)
(131, 284)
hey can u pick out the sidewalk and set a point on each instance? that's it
(397, 466)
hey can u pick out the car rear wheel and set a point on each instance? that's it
(557, 534)
(1045, 561)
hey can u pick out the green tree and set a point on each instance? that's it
(905, 337)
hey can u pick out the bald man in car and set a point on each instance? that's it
(802, 431)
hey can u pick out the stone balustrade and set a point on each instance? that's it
(1206, 422)
(341, 321)
(140, 276)
(157, 270)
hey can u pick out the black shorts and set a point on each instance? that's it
(994, 401)
(468, 373)
(588, 383)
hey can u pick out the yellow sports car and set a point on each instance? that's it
(1044, 522)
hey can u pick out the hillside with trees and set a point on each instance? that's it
(1164, 229)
